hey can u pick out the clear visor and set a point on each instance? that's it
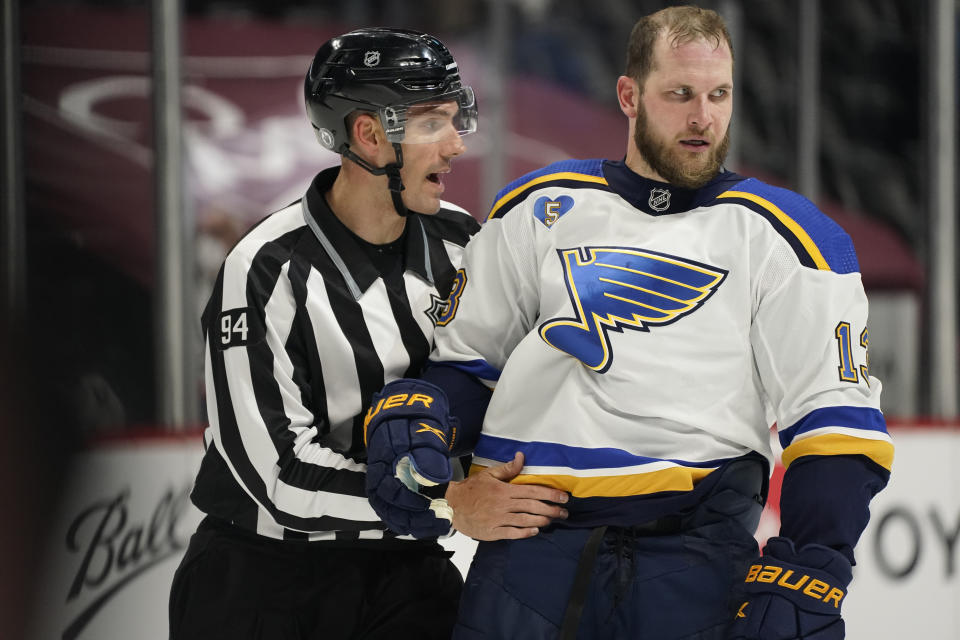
(440, 118)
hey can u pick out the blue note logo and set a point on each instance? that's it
(613, 288)
(548, 210)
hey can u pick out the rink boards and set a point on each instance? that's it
(126, 518)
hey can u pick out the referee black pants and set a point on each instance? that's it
(237, 585)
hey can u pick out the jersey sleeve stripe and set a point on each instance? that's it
(789, 223)
(299, 463)
(367, 365)
(237, 409)
(316, 504)
(258, 412)
(499, 207)
(839, 431)
(856, 418)
(307, 377)
(284, 511)
(835, 444)
(286, 485)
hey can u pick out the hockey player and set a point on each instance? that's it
(314, 310)
(645, 322)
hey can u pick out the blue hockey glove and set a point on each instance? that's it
(409, 433)
(793, 595)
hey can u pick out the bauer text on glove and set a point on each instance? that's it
(409, 434)
(793, 595)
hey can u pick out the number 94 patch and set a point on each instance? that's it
(238, 328)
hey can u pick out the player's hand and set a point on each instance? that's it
(409, 434)
(793, 595)
(487, 507)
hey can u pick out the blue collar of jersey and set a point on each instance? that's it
(662, 198)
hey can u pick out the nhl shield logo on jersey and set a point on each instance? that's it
(617, 288)
(659, 199)
(548, 210)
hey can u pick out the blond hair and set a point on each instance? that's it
(682, 24)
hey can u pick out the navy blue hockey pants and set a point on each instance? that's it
(646, 583)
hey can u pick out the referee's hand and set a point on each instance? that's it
(487, 507)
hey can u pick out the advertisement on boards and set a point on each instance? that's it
(127, 518)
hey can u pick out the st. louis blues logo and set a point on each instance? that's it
(612, 288)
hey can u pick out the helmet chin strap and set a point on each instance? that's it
(391, 170)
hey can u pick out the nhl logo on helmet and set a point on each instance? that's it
(371, 58)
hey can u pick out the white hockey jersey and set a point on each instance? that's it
(639, 335)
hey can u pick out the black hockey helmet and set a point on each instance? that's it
(382, 72)
(385, 72)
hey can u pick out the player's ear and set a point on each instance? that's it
(366, 135)
(628, 95)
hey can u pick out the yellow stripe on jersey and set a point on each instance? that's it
(833, 444)
(672, 479)
(788, 222)
(563, 175)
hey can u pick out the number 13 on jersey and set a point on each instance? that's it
(848, 368)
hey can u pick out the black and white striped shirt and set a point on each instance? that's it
(301, 329)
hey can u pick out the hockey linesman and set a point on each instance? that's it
(645, 321)
(313, 311)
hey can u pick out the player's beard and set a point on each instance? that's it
(676, 166)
